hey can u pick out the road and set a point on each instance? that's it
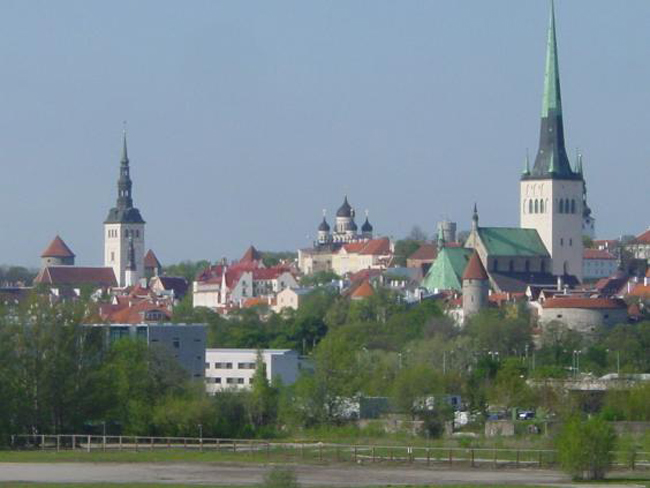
(223, 474)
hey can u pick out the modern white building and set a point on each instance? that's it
(235, 368)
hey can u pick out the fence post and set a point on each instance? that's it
(119, 442)
(373, 454)
(74, 442)
(184, 442)
(428, 456)
(58, 442)
(302, 450)
(472, 454)
(268, 450)
(104, 443)
(201, 444)
(451, 457)
(88, 446)
(517, 457)
(42, 441)
(540, 459)
(234, 446)
(494, 462)
(136, 443)
(169, 443)
(355, 454)
(320, 452)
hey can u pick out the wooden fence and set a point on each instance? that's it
(314, 451)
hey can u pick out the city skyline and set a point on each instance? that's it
(446, 123)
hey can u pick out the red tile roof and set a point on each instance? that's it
(589, 303)
(365, 274)
(641, 290)
(251, 255)
(643, 238)
(151, 260)
(364, 290)
(597, 254)
(76, 275)
(57, 249)
(426, 252)
(377, 247)
(474, 269)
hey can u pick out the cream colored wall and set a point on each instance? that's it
(116, 249)
(560, 232)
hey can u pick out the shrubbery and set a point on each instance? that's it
(585, 448)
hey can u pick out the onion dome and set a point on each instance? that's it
(366, 227)
(344, 210)
(324, 226)
(353, 226)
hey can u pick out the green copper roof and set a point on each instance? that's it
(447, 270)
(552, 98)
(512, 241)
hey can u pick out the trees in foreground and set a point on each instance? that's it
(585, 448)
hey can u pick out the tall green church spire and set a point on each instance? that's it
(552, 97)
(551, 160)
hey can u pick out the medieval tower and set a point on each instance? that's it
(551, 193)
(124, 229)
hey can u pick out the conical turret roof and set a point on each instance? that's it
(367, 226)
(324, 226)
(474, 269)
(57, 249)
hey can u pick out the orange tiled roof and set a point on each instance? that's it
(57, 249)
(597, 254)
(365, 290)
(579, 302)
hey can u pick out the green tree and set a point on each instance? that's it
(585, 448)
(263, 398)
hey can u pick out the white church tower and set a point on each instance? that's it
(551, 193)
(123, 228)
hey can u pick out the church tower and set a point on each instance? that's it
(551, 193)
(123, 228)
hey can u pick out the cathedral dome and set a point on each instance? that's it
(344, 210)
(366, 227)
(353, 226)
(324, 226)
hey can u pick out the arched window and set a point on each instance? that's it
(536, 206)
(561, 205)
(573, 206)
(530, 206)
(541, 206)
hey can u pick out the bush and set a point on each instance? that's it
(280, 477)
(585, 448)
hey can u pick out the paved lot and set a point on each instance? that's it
(333, 476)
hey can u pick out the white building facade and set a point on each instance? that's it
(234, 368)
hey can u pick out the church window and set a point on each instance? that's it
(573, 206)
(541, 206)
(536, 206)
(137, 233)
(530, 206)
(112, 257)
(570, 242)
(561, 241)
(561, 205)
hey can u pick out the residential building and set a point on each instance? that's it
(640, 246)
(423, 257)
(152, 266)
(291, 298)
(235, 368)
(598, 264)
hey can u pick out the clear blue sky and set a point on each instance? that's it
(246, 118)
